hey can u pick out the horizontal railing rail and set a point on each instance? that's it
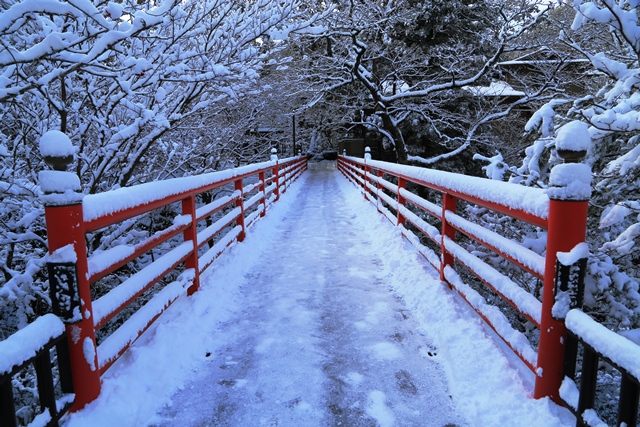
(31, 347)
(206, 225)
(386, 185)
(599, 346)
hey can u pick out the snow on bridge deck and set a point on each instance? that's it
(323, 316)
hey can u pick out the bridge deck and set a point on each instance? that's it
(320, 338)
(312, 321)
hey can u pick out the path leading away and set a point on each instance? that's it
(323, 316)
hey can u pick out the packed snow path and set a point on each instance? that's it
(323, 316)
(321, 339)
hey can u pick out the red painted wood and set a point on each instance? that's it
(567, 228)
(449, 203)
(240, 204)
(401, 200)
(191, 233)
(140, 249)
(65, 226)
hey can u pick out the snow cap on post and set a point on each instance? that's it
(274, 154)
(59, 186)
(572, 179)
(367, 153)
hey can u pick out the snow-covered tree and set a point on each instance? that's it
(139, 88)
(607, 33)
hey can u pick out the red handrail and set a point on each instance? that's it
(565, 222)
(69, 224)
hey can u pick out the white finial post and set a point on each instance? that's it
(367, 153)
(344, 152)
(59, 186)
(274, 154)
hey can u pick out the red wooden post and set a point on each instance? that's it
(449, 203)
(402, 183)
(65, 226)
(379, 175)
(275, 174)
(566, 227)
(367, 156)
(262, 188)
(240, 204)
(191, 234)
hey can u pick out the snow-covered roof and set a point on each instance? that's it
(496, 88)
(543, 61)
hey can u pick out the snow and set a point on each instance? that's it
(41, 420)
(495, 88)
(89, 352)
(206, 210)
(129, 331)
(515, 339)
(102, 204)
(218, 225)
(106, 305)
(569, 392)
(507, 246)
(570, 181)
(378, 410)
(530, 200)
(620, 350)
(100, 261)
(574, 136)
(526, 303)
(24, 344)
(56, 144)
(51, 181)
(632, 335)
(285, 332)
(591, 418)
(205, 260)
(65, 254)
(579, 251)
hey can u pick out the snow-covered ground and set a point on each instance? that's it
(323, 316)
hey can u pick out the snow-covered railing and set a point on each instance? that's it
(599, 346)
(205, 227)
(31, 346)
(385, 185)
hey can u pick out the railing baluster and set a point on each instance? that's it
(64, 367)
(402, 183)
(275, 174)
(628, 403)
(44, 379)
(262, 189)
(379, 175)
(240, 204)
(449, 203)
(7, 407)
(191, 233)
(588, 381)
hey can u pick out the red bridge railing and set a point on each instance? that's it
(197, 236)
(385, 185)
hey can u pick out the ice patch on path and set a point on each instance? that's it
(385, 351)
(181, 341)
(377, 409)
(483, 381)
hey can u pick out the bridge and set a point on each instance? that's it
(272, 294)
